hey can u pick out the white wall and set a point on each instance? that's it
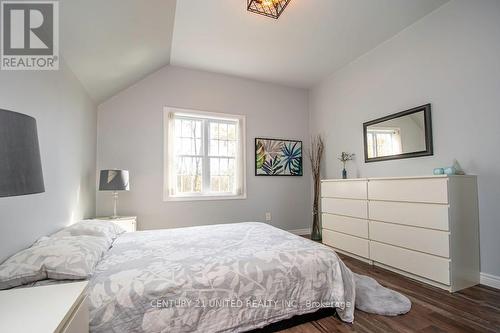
(451, 58)
(130, 136)
(67, 121)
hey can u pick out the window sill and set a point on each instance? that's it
(205, 198)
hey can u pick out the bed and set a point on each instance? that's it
(218, 278)
(190, 280)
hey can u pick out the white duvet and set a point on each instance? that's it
(220, 278)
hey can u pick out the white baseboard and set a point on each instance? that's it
(490, 280)
(300, 232)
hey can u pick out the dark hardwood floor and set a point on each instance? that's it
(476, 309)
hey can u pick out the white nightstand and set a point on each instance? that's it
(60, 308)
(129, 223)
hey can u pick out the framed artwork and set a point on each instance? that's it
(278, 157)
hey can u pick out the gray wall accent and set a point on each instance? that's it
(67, 121)
(450, 58)
(130, 136)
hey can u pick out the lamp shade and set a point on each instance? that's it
(20, 163)
(114, 180)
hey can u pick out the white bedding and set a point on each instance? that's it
(221, 278)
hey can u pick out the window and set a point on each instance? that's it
(205, 155)
(383, 142)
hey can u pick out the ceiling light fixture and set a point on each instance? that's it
(269, 8)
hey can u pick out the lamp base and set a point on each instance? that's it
(115, 201)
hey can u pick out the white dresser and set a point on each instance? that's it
(426, 228)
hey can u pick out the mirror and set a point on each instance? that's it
(402, 135)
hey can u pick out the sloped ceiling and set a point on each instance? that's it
(111, 44)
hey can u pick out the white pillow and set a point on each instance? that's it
(98, 228)
(58, 258)
(106, 226)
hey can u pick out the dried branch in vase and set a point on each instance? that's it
(315, 156)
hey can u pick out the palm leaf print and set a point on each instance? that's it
(272, 166)
(276, 157)
(260, 155)
(292, 157)
(272, 148)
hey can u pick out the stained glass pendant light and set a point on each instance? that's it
(269, 8)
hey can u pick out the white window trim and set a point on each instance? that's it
(166, 154)
(389, 130)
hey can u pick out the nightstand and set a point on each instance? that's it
(128, 223)
(60, 308)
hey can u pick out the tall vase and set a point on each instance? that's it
(344, 174)
(316, 230)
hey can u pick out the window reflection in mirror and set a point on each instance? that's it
(405, 134)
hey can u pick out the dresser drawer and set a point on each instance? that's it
(354, 189)
(424, 240)
(410, 190)
(414, 214)
(421, 264)
(346, 243)
(347, 225)
(346, 207)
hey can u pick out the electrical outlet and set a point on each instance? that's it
(268, 217)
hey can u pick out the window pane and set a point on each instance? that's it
(223, 166)
(222, 148)
(221, 184)
(186, 147)
(188, 135)
(215, 183)
(189, 174)
(214, 130)
(231, 167)
(231, 148)
(178, 128)
(222, 174)
(224, 185)
(197, 129)
(214, 167)
(214, 148)
(223, 131)
(186, 129)
(197, 149)
(231, 132)
(178, 146)
(223, 141)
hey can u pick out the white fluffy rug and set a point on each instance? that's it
(371, 297)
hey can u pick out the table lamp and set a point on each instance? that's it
(20, 163)
(114, 180)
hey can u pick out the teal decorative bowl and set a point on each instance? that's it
(450, 171)
(438, 171)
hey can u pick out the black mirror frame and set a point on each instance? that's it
(429, 150)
